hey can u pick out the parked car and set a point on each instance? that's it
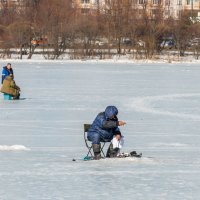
(140, 43)
(101, 42)
(168, 43)
(39, 41)
(127, 41)
(194, 42)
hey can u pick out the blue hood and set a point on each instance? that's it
(111, 111)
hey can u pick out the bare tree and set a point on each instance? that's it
(194, 44)
(150, 28)
(5, 43)
(119, 13)
(20, 33)
(52, 21)
(66, 28)
(182, 32)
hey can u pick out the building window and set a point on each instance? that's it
(179, 13)
(156, 1)
(154, 12)
(85, 1)
(167, 13)
(189, 2)
(167, 2)
(140, 12)
(142, 1)
(179, 2)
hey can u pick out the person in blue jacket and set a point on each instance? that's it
(104, 127)
(7, 70)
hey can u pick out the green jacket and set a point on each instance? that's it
(9, 87)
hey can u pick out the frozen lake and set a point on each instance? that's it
(159, 102)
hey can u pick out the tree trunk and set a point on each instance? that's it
(32, 49)
(20, 52)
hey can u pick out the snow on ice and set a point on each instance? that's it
(13, 148)
(160, 103)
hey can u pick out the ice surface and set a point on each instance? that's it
(159, 102)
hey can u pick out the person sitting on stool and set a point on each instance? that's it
(104, 127)
(9, 87)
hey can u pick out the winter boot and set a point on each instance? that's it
(111, 153)
(97, 151)
(115, 152)
(17, 96)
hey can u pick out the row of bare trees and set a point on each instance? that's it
(118, 27)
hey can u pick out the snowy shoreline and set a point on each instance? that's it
(171, 59)
(106, 61)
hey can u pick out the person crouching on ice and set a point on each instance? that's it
(115, 145)
(104, 127)
(9, 87)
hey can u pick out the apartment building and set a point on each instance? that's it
(87, 5)
(191, 4)
(9, 2)
(170, 8)
(17, 4)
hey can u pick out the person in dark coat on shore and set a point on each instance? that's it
(104, 127)
(7, 70)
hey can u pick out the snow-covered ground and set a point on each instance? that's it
(39, 136)
(164, 57)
